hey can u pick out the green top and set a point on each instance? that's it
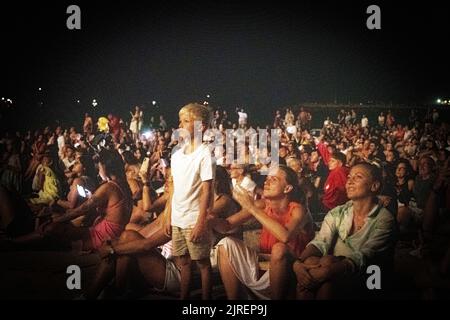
(373, 241)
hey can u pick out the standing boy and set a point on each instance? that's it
(193, 171)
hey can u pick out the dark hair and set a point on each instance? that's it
(113, 163)
(222, 182)
(409, 169)
(129, 158)
(89, 166)
(340, 157)
(296, 194)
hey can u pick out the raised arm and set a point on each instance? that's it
(99, 198)
(224, 226)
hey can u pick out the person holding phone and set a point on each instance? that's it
(111, 200)
(82, 187)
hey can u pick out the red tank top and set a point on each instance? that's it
(297, 244)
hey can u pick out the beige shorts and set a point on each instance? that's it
(181, 245)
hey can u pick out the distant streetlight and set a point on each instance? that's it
(78, 101)
(39, 89)
(94, 103)
(154, 103)
(438, 101)
(208, 96)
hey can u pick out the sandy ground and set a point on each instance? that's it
(42, 275)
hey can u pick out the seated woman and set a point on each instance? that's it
(352, 237)
(142, 213)
(287, 228)
(84, 177)
(11, 172)
(224, 204)
(46, 182)
(404, 186)
(82, 187)
(423, 184)
(37, 149)
(157, 267)
(112, 200)
(136, 242)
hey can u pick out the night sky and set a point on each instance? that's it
(259, 55)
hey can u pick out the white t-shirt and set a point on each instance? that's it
(189, 171)
(364, 122)
(242, 117)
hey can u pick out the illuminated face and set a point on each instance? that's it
(333, 164)
(360, 183)
(78, 168)
(186, 123)
(400, 172)
(275, 185)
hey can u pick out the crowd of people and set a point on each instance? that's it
(338, 199)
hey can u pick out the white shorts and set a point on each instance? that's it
(172, 280)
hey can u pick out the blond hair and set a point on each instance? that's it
(197, 112)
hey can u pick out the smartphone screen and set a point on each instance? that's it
(81, 191)
(144, 166)
(163, 163)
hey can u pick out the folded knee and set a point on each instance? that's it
(129, 235)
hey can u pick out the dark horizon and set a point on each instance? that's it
(260, 56)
